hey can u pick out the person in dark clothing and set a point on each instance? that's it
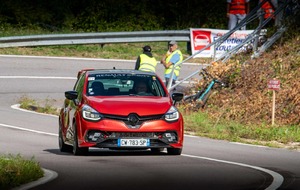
(146, 61)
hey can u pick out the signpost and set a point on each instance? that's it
(274, 85)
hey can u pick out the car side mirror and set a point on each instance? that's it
(176, 97)
(72, 95)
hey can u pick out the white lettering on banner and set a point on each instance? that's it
(201, 37)
(274, 84)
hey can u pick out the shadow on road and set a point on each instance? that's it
(107, 152)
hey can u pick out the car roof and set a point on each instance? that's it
(125, 71)
(122, 71)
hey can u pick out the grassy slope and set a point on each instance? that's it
(242, 112)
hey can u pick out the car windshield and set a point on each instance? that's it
(121, 84)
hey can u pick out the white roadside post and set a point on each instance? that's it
(273, 85)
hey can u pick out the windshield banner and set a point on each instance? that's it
(201, 37)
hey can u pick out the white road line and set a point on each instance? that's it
(36, 77)
(82, 58)
(277, 178)
(253, 145)
(25, 129)
(68, 58)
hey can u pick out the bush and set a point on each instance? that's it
(15, 171)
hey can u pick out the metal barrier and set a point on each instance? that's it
(95, 38)
(269, 42)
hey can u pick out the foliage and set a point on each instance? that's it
(248, 100)
(15, 171)
(113, 15)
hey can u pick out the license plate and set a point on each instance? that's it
(134, 142)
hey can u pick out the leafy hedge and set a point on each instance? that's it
(114, 15)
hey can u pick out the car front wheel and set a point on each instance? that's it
(76, 149)
(62, 146)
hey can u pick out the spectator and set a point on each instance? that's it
(171, 58)
(268, 9)
(237, 10)
(145, 61)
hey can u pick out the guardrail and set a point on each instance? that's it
(95, 38)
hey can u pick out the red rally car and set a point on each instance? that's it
(120, 109)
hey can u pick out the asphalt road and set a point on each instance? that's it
(204, 164)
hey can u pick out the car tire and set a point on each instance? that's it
(62, 146)
(174, 151)
(76, 149)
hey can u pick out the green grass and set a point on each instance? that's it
(15, 171)
(200, 124)
(31, 104)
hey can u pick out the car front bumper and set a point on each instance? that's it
(107, 133)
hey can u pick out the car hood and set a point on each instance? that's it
(119, 105)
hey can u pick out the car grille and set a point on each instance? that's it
(133, 120)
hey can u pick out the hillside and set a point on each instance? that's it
(247, 100)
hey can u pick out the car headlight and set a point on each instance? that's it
(89, 113)
(172, 114)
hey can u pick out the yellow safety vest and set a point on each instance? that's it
(178, 67)
(147, 63)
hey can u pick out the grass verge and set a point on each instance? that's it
(200, 124)
(15, 171)
(31, 104)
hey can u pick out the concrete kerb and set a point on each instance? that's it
(49, 175)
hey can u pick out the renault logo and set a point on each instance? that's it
(133, 119)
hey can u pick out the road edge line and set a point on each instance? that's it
(277, 178)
